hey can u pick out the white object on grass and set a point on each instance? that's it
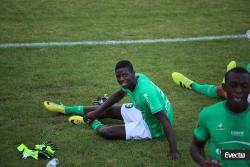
(248, 35)
(53, 163)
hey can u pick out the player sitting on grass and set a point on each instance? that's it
(225, 125)
(209, 90)
(149, 115)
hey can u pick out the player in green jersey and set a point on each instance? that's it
(225, 125)
(149, 115)
(206, 89)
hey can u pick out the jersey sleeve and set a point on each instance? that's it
(201, 131)
(152, 101)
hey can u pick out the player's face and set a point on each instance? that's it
(126, 78)
(237, 88)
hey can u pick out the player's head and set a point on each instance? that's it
(125, 74)
(237, 86)
(124, 64)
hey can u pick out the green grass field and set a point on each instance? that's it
(78, 74)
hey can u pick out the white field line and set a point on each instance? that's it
(114, 42)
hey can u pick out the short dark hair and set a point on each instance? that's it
(124, 64)
(239, 70)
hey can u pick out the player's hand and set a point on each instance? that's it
(89, 117)
(211, 163)
(175, 155)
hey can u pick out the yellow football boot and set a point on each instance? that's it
(181, 80)
(76, 120)
(53, 107)
(230, 66)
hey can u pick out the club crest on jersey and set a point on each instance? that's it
(129, 105)
(220, 127)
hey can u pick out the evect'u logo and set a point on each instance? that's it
(235, 154)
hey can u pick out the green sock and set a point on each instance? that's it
(209, 90)
(74, 110)
(95, 124)
(248, 67)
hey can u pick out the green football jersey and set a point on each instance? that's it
(150, 99)
(224, 130)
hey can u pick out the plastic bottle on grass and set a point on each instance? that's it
(53, 163)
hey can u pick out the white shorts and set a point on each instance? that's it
(135, 126)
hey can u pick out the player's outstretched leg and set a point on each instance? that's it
(113, 112)
(53, 107)
(181, 80)
(205, 89)
(60, 108)
(74, 110)
(106, 131)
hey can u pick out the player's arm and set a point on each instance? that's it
(197, 151)
(198, 154)
(114, 98)
(200, 137)
(161, 116)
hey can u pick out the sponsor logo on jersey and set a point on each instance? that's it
(235, 155)
(237, 133)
